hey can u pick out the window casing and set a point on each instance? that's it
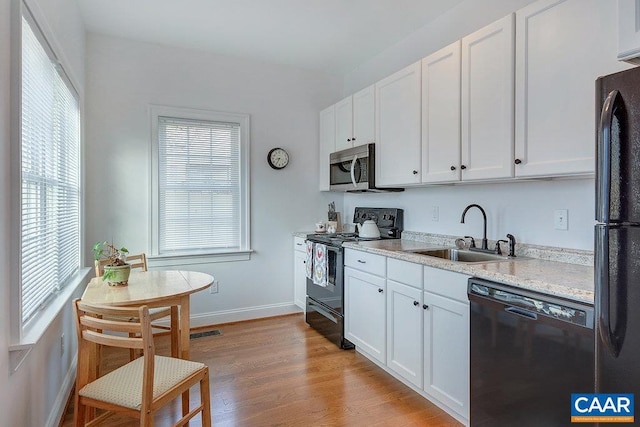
(200, 187)
(50, 175)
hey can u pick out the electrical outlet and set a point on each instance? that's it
(213, 289)
(561, 219)
(435, 213)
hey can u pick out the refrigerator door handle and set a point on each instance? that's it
(603, 188)
(603, 292)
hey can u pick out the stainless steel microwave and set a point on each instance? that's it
(353, 170)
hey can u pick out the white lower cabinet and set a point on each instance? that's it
(425, 342)
(446, 351)
(446, 338)
(365, 312)
(299, 272)
(404, 331)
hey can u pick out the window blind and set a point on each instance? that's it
(50, 176)
(199, 186)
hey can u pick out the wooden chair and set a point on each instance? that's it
(140, 261)
(135, 261)
(140, 387)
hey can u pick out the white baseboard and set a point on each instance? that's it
(60, 404)
(238, 315)
(247, 313)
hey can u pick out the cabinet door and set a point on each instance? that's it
(300, 278)
(364, 116)
(398, 128)
(628, 29)
(562, 46)
(344, 123)
(441, 115)
(446, 351)
(326, 144)
(365, 311)
(487, 101)
(404, 327)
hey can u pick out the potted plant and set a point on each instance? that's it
(116, 270)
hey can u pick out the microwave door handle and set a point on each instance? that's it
(353, 167)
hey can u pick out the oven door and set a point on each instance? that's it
(331, 295)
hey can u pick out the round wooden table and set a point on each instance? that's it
(158, 288)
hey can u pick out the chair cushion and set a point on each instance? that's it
(123, 386)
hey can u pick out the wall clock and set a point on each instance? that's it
(278, 158)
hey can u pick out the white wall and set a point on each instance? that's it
(124, 77)
(5, 392)
(524, 209)
(36, 393)
(465, 18)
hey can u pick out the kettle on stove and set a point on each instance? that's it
(368, 230)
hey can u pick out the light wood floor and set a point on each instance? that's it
(280, 372)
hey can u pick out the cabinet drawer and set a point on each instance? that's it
(365, 261)
(446, 283)
(405, 272)
(299, 244)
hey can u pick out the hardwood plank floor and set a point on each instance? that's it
(280, 372)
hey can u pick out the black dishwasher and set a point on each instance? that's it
(529, 352)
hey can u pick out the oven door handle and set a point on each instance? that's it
(332, 248)
(336, 249)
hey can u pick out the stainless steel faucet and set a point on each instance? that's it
(485, 246)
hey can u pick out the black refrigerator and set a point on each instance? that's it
(617, 234)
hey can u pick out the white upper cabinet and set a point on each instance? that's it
(487, 101)
(441, 115)
(364, 116)
(344, 123)
(562, 46)
(628, 30)
(398, 125)
(327, 144)
(355, 119)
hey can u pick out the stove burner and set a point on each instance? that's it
(389, 222)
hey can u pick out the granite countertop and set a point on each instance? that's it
(571, 281)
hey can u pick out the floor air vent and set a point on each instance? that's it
(205, 333)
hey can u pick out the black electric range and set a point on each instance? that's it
(325, 303)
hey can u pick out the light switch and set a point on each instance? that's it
(561, 219)
(435, 214)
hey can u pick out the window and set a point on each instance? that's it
(201, 203)
(49, 147)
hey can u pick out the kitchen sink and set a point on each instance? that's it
(460, 255)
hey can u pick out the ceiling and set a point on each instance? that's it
(327, 35)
